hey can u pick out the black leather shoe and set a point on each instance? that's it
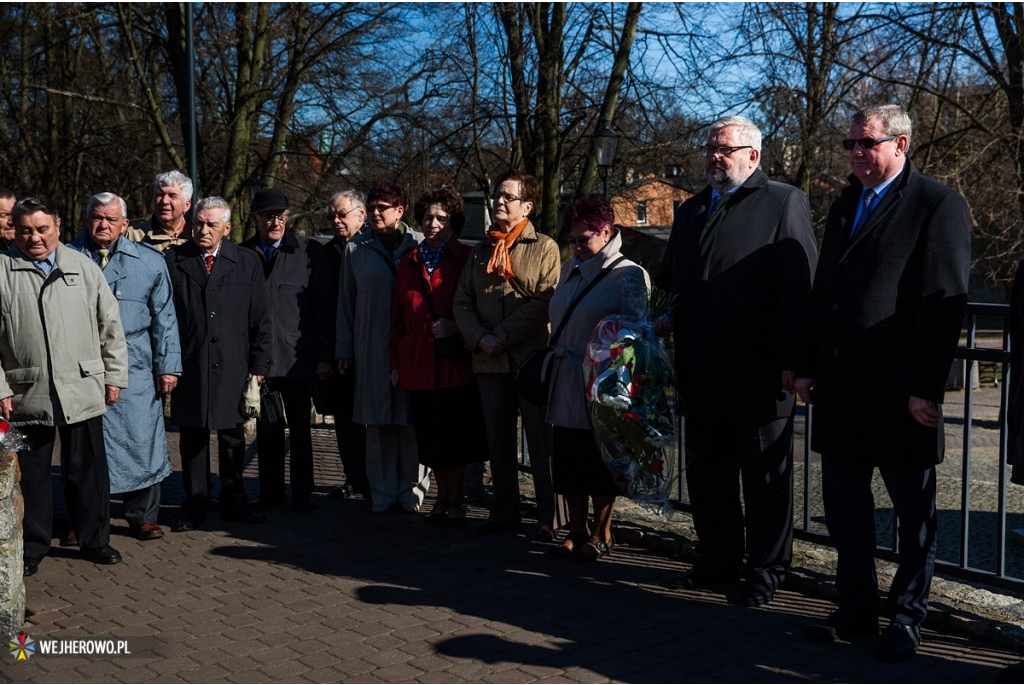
(843, 623)
(31, 566)
(898, 643)
(184, 525)
(241, 515)
(267, 503)
(491, 527)
(703, 576)
(102, 555)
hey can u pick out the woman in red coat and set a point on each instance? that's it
(445, 403)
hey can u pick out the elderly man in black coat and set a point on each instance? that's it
(889, 299)
(220, 297)
(740, 259)
(300, 307)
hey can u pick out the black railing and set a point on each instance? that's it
(988, 521)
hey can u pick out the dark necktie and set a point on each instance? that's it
(209, 263)
(865, 210)
(268, 253)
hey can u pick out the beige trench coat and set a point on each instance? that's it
(71, 352)
(516, 312)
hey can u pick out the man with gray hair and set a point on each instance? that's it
(63, 361)
(133, 428)
(169, 226)
(7, 201)
(220, 298)
(889, 300)
(740, 259)
(346, 211)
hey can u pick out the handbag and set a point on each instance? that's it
(532, 381)
(271, 407)
(451, 347)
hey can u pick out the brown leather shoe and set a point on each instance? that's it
(146, 531)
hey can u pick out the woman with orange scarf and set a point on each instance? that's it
(501, 308)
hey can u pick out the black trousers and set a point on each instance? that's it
(270, 444)
(722, 455)
(195, 464)
(351, 436)
(850, 516)
(83, 461)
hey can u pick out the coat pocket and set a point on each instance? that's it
(91, 367)
(26, 375)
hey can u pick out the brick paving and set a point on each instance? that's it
(342, 595)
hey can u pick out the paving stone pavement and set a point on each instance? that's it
(342, 595)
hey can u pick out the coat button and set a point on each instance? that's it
(216, 366)
(835, 353)
(835, 308)
(845, 262)
(213, 339)
(213, 314)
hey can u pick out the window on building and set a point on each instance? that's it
(641, 213)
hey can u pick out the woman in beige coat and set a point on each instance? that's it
(579, 472)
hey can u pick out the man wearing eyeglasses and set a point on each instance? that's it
(740, 259)
(889, 299)
(299, 288)
(346, 211)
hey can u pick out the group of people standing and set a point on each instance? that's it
(865, 331)
(415, 339)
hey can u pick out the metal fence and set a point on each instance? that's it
(979, 508)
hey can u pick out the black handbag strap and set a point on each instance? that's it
(576, 300)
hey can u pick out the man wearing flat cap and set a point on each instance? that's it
(299, 286)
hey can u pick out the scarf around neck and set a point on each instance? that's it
(500, 261)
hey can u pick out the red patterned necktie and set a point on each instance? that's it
(209, 263)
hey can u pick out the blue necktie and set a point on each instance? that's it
(268, 252)
(865, 210)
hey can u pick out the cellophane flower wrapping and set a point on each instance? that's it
(631, 394)
(11, 439)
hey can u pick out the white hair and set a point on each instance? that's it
(173, 178)
(215, 202)
(747, 131)
(104, 199)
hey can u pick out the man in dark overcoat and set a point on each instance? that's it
(220, 298)
(889, 299)
(740, 259)
(346, 211)
(301, 338)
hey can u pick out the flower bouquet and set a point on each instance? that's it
(11, 439)
(630, 387)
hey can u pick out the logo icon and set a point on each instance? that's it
(24, 648)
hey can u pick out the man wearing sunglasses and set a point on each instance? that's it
(889, 299)
(740, 259)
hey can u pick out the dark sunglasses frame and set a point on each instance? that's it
(865, 143)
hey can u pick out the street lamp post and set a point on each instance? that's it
(605, 142)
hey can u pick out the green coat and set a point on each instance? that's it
(71, 352)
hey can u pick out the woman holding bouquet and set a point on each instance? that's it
(613, 285)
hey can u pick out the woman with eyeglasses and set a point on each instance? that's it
(365, 296)
(425, 346)
(579, 471)
(501, 308)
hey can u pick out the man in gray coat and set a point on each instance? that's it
(133, 429)
(63, 359)
(299, 305)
